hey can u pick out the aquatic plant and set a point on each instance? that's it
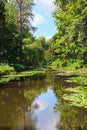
(76, 96)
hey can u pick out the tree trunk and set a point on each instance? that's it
(20, 28)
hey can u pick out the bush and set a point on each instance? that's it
(19, 67)
(6, 69)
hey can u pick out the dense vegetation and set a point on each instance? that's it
(68, 47)
(17, 43)
(69, 44)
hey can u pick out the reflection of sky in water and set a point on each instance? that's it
(46, 117)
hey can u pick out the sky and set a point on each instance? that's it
(43, 20)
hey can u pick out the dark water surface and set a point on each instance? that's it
(37, 104)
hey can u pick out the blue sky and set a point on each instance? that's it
(43, 19)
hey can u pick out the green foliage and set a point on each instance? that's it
(30, 51)
(19, 67)
(70, 40)
(67, 48)
(2, 14)
(11, 12)
(10, 47)
(22, 75)
(6, 69)
(34, 51)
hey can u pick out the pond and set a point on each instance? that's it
(36, 103)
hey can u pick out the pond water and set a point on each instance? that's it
(36, 104)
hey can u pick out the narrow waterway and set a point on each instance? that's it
(36, 104)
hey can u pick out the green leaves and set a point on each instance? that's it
(34, 51)
(71, 21)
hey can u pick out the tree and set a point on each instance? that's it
(33, 50)
(19, 13)
(70, 19)
(2, 30)
(24, 13)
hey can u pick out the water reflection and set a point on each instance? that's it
(36, 104)
(15, 102)
(47, 119)
(71, 118)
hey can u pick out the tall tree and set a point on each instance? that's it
(24, 15)
(19, 13)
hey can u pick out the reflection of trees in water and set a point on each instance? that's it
(60, 85)
(30, 120)
(50, 79)
(60, 82)
(71, 118)
(15, 104)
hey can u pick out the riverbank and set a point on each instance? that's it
(6, 70)
(25, 70)
(8, 73)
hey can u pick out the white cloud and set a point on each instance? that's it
(49, 119)
(38, 19)
(46, 5)
(48, 38)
